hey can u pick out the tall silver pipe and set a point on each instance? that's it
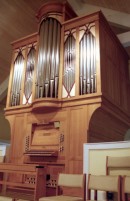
(40, 58)
(81, 66)
(88, 62)
(53, 59)
(85, 57)
(51, 88)
(44, 35)
(57, 56)
(13, 85)
(56, 86)
(17, 95)
(48, 56)
(84, 64)
(95, 84)
(92, 63)
(84, 86)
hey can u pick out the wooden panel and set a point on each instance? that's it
(78, 132)
(52, 174)
(46, 137)
(114, 69)
(76, 167)
(18, 139)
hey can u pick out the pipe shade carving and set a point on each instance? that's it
(69, 64)
(48, 59)
(29, 75)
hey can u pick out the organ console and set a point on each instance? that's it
(68, 85)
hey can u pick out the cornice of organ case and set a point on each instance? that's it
(61, 7)
(24, 41)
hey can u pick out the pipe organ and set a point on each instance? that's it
(68, 85)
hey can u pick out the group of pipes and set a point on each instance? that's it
(87, 64)
(48, 59)
(47, 66)
(17, 80)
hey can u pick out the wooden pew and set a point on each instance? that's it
(22, 181)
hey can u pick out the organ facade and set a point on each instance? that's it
(68, 85)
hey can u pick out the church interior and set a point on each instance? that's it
(64, 101)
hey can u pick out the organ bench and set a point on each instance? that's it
(22, 181)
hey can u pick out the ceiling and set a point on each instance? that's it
(17, 19)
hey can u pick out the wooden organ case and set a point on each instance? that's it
(68, 85)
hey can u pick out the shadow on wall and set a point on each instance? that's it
(127, 135)
(5, 133)
(106, 127)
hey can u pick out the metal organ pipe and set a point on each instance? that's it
(84, 64)
(53, 60)
(92, 53)
(57, 56)
(88, 61)
(81, 67)
(94, 65)
(48, 59)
